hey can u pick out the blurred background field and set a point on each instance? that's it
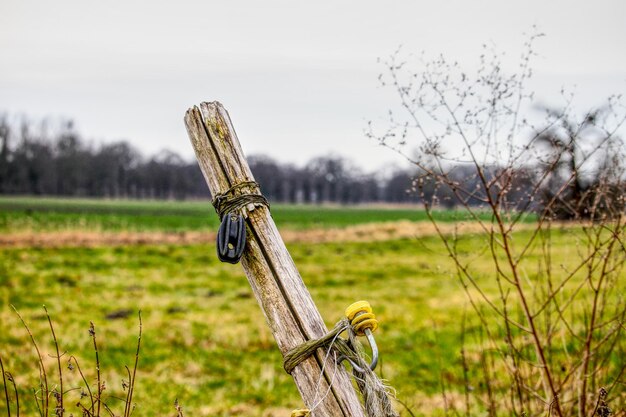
(53, 214)
(205, 341)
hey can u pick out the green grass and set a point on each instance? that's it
(205, 340)
(50, 214)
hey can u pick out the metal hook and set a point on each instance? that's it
(354, 365)
(372, 342)
(373, 346)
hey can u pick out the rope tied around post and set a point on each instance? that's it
(231, 236)
(228, 202)
(359, 321)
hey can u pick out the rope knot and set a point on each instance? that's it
(230, 201)
(359, 320)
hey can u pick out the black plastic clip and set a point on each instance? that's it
(231, 238)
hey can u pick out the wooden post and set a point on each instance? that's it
(286, 303)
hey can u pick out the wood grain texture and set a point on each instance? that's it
(277, 285)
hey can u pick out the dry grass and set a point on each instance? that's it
(369, 232)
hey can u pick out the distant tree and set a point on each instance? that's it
(72, 162)
(4, 152)
(31, 167)
(111, 168)
(329, 176)
(399, 187)
(581, 166)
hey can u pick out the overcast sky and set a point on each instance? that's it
(298, 78)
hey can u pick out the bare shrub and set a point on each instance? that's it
(58, 395)
(553, 321)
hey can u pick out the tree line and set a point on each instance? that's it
(37, 159)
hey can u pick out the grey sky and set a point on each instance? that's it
(299, 78)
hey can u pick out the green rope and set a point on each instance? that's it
(227, 202)
(376, 395)
(298, 354)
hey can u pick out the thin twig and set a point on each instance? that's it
(60, 408)
(6, 388)
(43, 377)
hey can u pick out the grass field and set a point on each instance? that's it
(50, 214)
(205, 341)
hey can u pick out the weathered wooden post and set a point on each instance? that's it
(275, 281)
